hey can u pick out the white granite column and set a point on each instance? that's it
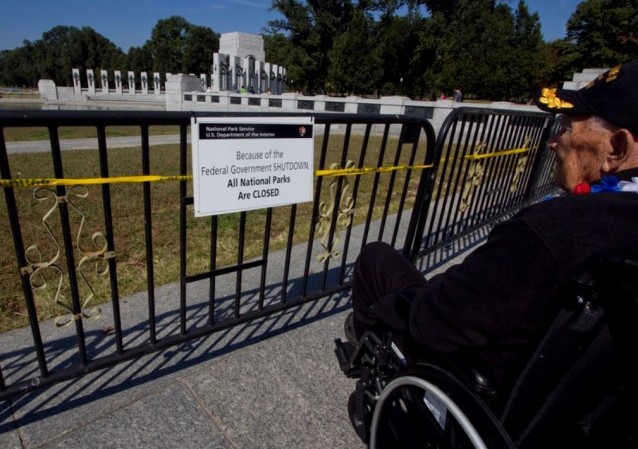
(259, 77)
(277, 90)
(238, 73)
(77, 86)
(91, 80)
(157, 87)
(104, 77)
(144, 81)
(118, 82)
(131, 83)
(215, 77)
(267, 79)
(284, 79)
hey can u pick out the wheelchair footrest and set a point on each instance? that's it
(344, 352)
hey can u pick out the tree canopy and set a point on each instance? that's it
(491, 49)
(174, 46)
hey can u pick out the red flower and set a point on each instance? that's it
(581, 188)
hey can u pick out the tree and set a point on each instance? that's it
(528, 60)
(17, 67)
(561, 61)
(311, 28)
(280, 50)
(167, 44)
(176, 46)
(200, 45)
(140, 59)
(60, 49)
(604, 32)
(396, 42)
(474, 49)
(355, 65)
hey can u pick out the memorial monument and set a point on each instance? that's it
(240, 66)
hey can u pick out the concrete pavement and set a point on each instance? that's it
(242, 389)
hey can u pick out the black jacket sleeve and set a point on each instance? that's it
(499, 294)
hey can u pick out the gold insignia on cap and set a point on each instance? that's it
(613, 73)
(548, 97)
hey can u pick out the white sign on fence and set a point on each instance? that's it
(245, 163)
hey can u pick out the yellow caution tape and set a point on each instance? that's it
(50, 182)
(363, 170)
(497, 153)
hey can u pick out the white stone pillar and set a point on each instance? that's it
(238, 73)
(144, 81)
(48, 90)
(284, 80)
(104, 78)
(131, 83)
(176, 87)
(277, 90)
(77, 86)
(91, 80)
(249, 74)
(118, 82)
(259, 74)
(216, 75)
(267, 80)
(157, 86)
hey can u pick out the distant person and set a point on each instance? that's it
(458, 95)
(443, 96)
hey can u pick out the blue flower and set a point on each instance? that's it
(606, 184)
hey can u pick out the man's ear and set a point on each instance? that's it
(622, 144)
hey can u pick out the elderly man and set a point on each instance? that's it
(496, 302)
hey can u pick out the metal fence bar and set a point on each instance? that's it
(62, 197)
(355, 190)
(18, 244)
(287, 259)
(375, 184)
(265, 252)
(108, 228)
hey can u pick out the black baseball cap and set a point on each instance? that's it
(612, 96)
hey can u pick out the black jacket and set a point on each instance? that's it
(497, 301)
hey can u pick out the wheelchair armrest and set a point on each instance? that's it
(476, 378)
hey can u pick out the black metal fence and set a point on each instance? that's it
(491, 163)
(95, 233)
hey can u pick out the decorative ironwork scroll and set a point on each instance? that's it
(43, 272)
(474, 178)
(345, 209)
(521, 163)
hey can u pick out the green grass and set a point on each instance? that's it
(129, 222)
(79, 132)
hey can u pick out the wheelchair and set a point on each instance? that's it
(577, 390)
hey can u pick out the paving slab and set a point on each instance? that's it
(166, 419)
(285, 392)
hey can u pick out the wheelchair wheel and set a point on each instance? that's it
(426, 407)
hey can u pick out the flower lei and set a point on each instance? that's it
(608, 184)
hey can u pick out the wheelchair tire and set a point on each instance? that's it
(426, 407)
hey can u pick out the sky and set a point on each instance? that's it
(129, 23)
